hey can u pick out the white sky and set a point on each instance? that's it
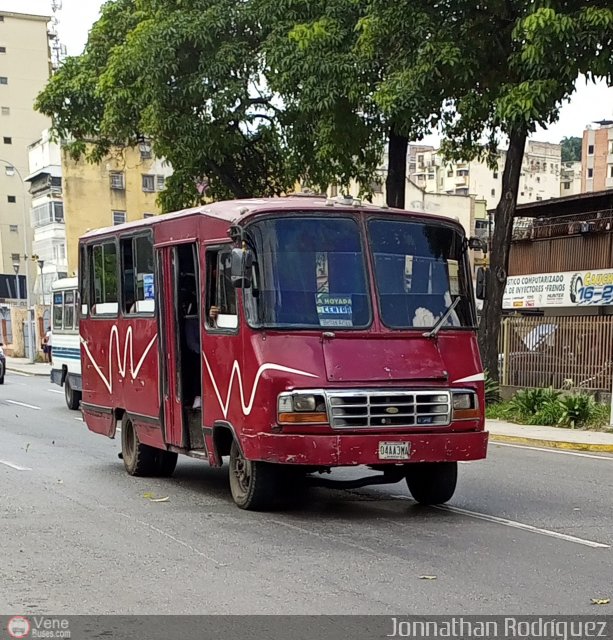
(590, 102)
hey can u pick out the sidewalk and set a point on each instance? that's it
(22, 365)
(551, 437)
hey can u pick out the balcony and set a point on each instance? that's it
(562, 226)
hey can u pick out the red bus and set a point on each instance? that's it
(293, 335)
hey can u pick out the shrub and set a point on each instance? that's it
(529, 402)
(549, 415)
(492, 390)
(580, 410)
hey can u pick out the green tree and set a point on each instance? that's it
(188, 77)
(571, 149)
(495, 71)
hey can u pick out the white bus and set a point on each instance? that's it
(66, 349)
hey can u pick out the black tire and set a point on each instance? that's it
(166, 463)
(73, 398)
(138, 459)
(255, 486)
(2, 379)
(432, 482)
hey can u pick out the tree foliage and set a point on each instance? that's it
(571, 149)
(252, 94)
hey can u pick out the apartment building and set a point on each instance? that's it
(570, 179)
(24, 71)
(122, 188)
(47, 214)
(597, 157)
(540, 177)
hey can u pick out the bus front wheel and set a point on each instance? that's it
(73, 398)
(254, 485)
(432, 482)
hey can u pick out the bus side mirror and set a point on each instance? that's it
(481, 288)
(242, 261)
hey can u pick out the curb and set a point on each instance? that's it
(552, 444)
(26, 373)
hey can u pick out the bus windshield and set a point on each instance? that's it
(310, 273)
(420, 270)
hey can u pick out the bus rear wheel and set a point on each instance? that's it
(255, 486)
(73, 398)
(142, 460)
(432, 482)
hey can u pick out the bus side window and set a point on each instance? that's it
(221, 312)
(137, 267)
(105, 272)
(69, 302)
(58, 310)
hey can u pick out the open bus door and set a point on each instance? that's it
(180, 345)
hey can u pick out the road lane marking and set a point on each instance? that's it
(19, 373)
(514, 525)
(558, 451)
(23, 404)
(55, 391)
(78, 419)
(521, 525)
(15, 466)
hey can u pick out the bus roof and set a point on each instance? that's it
(233, 211)
(65, 283)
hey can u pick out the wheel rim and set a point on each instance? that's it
(241, 470)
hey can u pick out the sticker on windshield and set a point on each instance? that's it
(334, 311)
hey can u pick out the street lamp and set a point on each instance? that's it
(41, 264)
(16, 269)
(30, 322)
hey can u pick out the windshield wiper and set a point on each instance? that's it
(437, 327)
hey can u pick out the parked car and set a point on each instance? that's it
(2, 364)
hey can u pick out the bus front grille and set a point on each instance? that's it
(376, 409)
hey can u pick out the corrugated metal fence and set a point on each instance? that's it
(559, 352)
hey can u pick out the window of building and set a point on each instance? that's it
(119, 217)
(7, 140)
(611, 171)
(495, 175)
(105, 276)
(544, 166)
(117, 181)
(11, 199)
(376, 187)
(160, 182)
(590, 150)
(2, 49)
(450, 173)
(148, 183)
(148, 215)
(220, 292)
(14, 228)
(1, 18)
(611, 147)
(145, 151)
(590, 173)
(48, 213)
(493, 192)
(15, 258)
(137, 267)
(9, 170)
(6, 111)
(4, 80)
(420, 159)
(566, 185)
(538, 179)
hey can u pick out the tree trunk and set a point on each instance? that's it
(395, 184)
(489, 328)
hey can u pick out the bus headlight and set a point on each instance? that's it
(302, 408)
(465, 406)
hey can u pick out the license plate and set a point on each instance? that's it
(394, 450)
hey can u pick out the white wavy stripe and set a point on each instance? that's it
(236, 371)
(122, 367)
(477, 377)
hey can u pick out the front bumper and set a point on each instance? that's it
(346, 450)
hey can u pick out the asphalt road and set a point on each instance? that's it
(528, 531)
